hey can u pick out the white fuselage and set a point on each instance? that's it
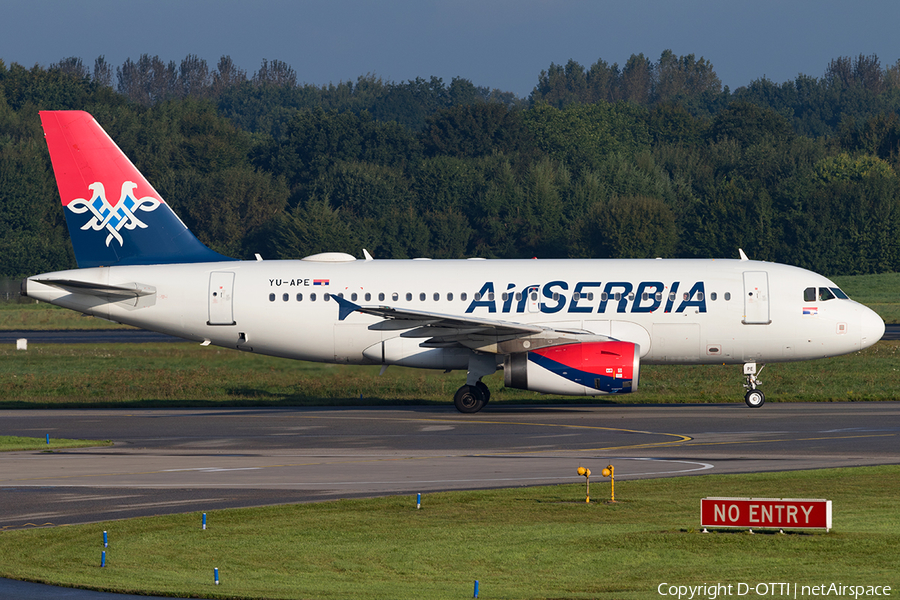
(677, 311)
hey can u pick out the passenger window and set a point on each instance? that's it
(381, 296)
(408, 296)
(422, 297)
(727, 296)
(645, 296)
(271, 297)
(713, 296)
(825, 294)
(368, 296)
(617, 296)
(437, 296)
(285, 297)
(659, 297)
(477, 296)
(809, 294)
(604, 296)
(700, 296)
(491, 296)
(504, 296)
(449, 295)
(326, 296)
(463, 296)
(671, 296)
(353, 296)
(575, 297)
(299, 297)
(395, 296)
(312, 297)
(518, 296)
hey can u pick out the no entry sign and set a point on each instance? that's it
(766, 513)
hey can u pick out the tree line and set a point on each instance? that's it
(652, 159)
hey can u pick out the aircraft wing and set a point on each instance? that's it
(447, 331)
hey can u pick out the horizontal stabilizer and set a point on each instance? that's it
(125, 290)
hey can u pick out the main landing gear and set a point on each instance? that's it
(473, 396)
(754, 396)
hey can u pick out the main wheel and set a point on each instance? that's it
(485, 391)
(755, 398)
(469, 399)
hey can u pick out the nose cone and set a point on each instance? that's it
(871, 328)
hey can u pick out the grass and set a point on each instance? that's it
(11, 443)
(169, 375)
(41, 316)
(879, 292)
(542, 542)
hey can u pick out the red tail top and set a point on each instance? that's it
(115, 217)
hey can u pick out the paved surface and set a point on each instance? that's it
(86, 336)
(170, 461)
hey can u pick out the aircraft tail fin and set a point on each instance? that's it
(133, 225)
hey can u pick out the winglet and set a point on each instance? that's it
(743, 256)
(346, 307)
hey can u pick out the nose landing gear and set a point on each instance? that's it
(754, 396)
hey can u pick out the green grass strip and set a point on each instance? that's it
(11, 443)
(182, 375)
(541, 542)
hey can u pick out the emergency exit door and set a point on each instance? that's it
(221, 292)
(756, 298)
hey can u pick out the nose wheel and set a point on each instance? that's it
(754, 396)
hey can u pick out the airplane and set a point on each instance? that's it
(560, 326)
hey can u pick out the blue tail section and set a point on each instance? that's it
(131, 226)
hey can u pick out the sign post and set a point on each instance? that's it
(765, 513)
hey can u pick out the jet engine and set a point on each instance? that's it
(580, 369)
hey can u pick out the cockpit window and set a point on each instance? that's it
(826, 294)
(840, 294)
(809, 294)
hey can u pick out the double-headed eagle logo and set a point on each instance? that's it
(113, 218)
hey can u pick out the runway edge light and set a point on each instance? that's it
(610, 471)
(586, 473)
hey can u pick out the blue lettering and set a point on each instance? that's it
(487, 291)
(560, 299)
(696, 297)
(531, 289)
(672, 295)
(623, 298)
(573, 307)
(645, 288)
(507, 304)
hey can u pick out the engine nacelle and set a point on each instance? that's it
(583, 369)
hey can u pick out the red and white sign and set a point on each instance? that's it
(766, 513)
